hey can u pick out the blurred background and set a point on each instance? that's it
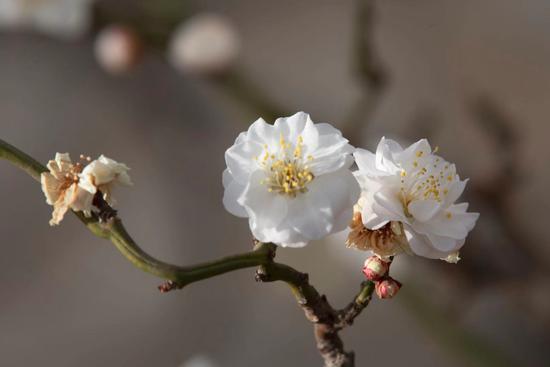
(165, 86)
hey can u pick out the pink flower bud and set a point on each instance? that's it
(387, 288)
(375, 268)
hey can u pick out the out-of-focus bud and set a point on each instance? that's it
(375, 268)
(118, 49)
(204, 45)
(387, 288)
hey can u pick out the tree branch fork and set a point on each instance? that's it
(327, 321)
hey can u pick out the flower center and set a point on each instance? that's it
(429, 178)
(287, 172)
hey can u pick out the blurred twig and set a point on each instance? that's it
(240, 88)
(368, 70)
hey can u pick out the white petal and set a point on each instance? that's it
(366, 161)
(316, 212)
(233, 190)
(455, 190)
(424, 210)
(412, 152)
(389, 202)
(330, 162)
(291, 127)
(267, 209)
(240, 159)
(421, 245)
(327, 129)
(100, 170)
(51, 187)
(262, 132)
(294, 245)
(384, 155)
(62, 157)
(444, 244)
(467, 219)
(81, 200)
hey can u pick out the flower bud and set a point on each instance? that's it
(118, 49)
(375, 268)
(387, 288)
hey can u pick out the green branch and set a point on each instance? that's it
(327, 321)
(114, 231)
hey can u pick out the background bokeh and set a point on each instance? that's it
(472, 76)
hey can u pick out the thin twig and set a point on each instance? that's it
(326, 320)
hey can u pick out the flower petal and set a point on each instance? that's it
(262, 132)
(291, 127)
(421, 245)
(444, 244)
(266, 209)
(240, 159)
(384, 155)
(424, 210)
(366, 161)
(233, 190)
(314, 214)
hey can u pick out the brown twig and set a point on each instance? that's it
(327, 321)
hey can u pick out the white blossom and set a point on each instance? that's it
(204, 45)
(291, 179)
(60, 185)
(103, 174)
(118, 49)
(417, 190)
(59, 18)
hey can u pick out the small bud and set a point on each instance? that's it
(387, 288)
(375, 268)
(118, 49)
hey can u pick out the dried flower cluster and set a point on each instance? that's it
(73, 186)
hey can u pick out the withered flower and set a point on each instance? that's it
(60, 185)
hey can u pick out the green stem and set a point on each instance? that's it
(117, 234)
(21, 160)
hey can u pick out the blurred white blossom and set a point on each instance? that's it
(291, 179)
(198, 361)
(103, 175)
(60, 18)
(205, 44)
(411, 193)
(118, 49)
(60, 185)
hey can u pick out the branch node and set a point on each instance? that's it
(167, 286)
